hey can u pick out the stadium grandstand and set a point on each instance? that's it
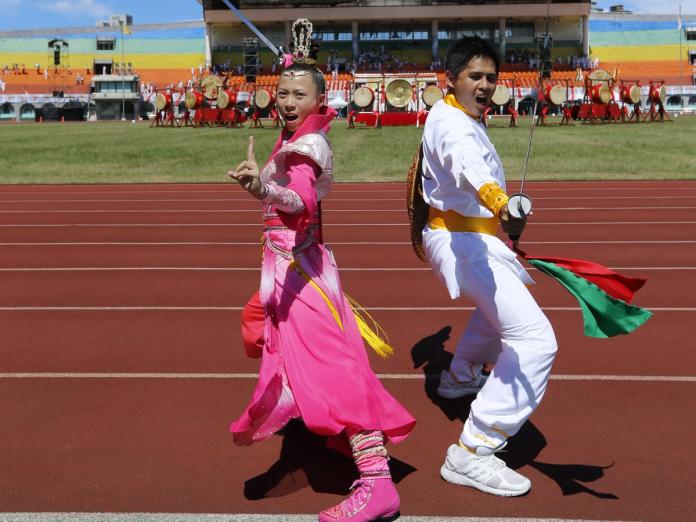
(115, 68)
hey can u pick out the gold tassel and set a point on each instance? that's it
(374, 336)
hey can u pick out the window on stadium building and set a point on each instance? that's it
(457, 32)
(116, 87)
(690, 33)
(520, 30)
(106, 44)
(334, 36)
(386, 34)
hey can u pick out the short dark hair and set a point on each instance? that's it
(317, 75)
(466, 49)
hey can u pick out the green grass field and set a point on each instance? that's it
(134, 153)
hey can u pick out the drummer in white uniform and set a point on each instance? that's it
(464, 185)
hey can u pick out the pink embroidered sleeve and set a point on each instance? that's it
(283, 199)
(303, 173)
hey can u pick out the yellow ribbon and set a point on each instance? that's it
(372, 335)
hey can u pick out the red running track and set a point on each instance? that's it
(122, 365)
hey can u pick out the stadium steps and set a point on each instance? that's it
(33, 83)
(667, 70)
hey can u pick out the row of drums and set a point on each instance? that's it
(399, 95)
(226, 98)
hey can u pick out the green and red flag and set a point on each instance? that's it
(603, 294)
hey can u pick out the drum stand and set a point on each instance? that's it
(276, 118)
(187, 119)
(513, 117)
(657, 112)
(636, 115)
(168, 120)
(567, 116)
(351, 119)
(255, 119)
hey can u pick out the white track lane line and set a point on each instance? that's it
(328, 201)
(246, 517)
(250, 376)
(247, 199)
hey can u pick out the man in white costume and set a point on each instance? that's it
(464, 186)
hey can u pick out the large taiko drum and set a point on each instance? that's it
(363, 96)
(432, 94)
(163, 100)
(600, 93)
(226, 99)
(501, 95)
(399, 93)
(554, 94)
(630, 94)
(658, 94)
(264, 98)
(193, 100)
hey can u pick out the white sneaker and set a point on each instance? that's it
(483, 471)
(452, 389)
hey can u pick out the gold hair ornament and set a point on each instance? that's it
(302, 41)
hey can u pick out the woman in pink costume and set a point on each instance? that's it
(313, 366)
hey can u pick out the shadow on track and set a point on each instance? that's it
(306, 461)
(523, 449)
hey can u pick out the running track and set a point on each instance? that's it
(121, 365)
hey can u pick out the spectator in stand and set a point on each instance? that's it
(2, 85)
(46, 73)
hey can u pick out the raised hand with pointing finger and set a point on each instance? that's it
(247, 173)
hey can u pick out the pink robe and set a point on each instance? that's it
(311, 367)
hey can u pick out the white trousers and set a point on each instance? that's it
(507, 328)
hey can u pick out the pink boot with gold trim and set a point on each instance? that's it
(374, 495)
(372, 499)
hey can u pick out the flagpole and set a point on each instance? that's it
(681, 65)
(123, 87)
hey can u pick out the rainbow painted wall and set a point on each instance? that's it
(642, 47)
(148, 47)
(628, 40)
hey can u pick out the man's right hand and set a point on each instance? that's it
(512, 226)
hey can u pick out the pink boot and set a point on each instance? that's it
(371, 499)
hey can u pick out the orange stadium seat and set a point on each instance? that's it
(667, 70)
(33, 83)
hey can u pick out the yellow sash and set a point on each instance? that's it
(455, 222)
